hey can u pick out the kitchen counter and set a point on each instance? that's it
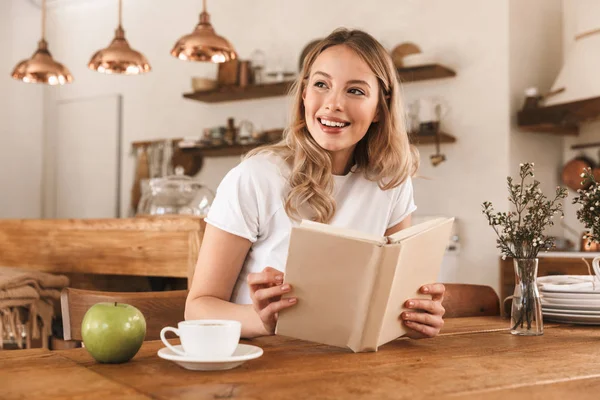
(550, 263)
(569, 254)
(162, 246)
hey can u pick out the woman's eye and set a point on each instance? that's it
(320, 84)
(357, 92)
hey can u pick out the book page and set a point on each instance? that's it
(415, 229)
(419, 261)
(332, 278)
(342, 232)
(380, 294)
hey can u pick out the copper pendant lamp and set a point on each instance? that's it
(203, 44)
(41, 67)
(119, 57)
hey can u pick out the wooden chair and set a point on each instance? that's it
(159, 308)
(463, 300)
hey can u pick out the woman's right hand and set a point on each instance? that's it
(265, 290)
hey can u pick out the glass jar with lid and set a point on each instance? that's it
(175, 194)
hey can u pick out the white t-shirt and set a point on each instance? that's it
(250, 203)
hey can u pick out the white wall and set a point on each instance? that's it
(468, 35)
(535, 60)
(471, 36)
(21, 108)
(577, 18)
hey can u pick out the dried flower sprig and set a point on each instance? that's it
(521, 232)
(589, 201)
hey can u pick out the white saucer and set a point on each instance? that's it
(242, 353)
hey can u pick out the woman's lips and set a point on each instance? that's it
(331, 129)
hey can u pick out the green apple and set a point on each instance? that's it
(113, 332)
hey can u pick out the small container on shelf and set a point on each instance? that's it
(203, 84)
(258, 62)
(245, 132)
(230, 132)
(245, 74)
(532, 98)
(217, 135)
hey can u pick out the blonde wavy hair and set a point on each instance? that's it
(384, 154)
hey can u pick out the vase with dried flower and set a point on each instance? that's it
(589, 211)
(521, 236)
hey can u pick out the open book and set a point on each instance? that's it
(351, 286)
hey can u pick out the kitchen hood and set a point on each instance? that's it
(580, 73)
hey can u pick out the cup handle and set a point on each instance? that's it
(166, 341)
(596, 265)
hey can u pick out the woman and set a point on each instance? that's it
(345, 160)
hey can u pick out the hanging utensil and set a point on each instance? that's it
(142, 172)
(437, 158)
(167, 154)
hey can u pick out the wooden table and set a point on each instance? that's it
(473, 358)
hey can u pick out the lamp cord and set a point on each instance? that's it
(44, 20)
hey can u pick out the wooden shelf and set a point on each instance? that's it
(236, 93)
(228, 150)
(239, 149)
(425, 72)
(425, 140)
(233, 93)
(557, 129)
(221, 151)
(562, 119)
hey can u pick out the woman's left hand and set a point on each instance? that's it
(428, 322)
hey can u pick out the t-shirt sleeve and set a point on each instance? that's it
(404, 203)
(235, 207)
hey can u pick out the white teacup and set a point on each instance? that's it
(596, 265)
(206, 338)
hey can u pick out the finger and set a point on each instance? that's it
(269, 293)
(272, 270)
(421, 330)
(269, 311)
(265, 277)
(436, 290)
(424, 319)
(432, 307)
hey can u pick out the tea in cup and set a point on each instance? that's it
(205, 338)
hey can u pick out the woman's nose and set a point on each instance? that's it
(334, 100)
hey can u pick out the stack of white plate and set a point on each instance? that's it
(573, 299)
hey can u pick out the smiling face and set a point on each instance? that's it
(340, 100)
